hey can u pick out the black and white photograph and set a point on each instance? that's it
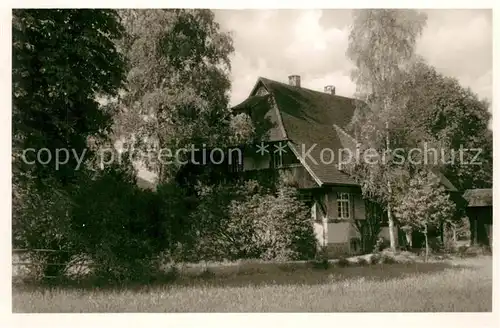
(181, 160)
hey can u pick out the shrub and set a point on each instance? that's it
(172, 274)
(380, 245)
(361, 261)
(206, 274)
(118, 226)
(473, 251)
(375, 258)
(323, 264)
(249, 222)
(387, 258)
(343, 262)
(41, 220)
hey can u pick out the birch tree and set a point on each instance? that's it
(178, 81)
(381, 45)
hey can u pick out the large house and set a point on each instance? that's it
(303, 131)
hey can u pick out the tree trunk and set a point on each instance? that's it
(409, 241)
(390, 220)
(426, 244)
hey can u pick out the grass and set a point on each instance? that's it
(463, 285)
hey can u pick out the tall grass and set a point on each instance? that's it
(465, 285)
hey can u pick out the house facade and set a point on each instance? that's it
(302, 133)
(303, 137)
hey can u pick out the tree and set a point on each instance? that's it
(381, 44)
(442, 112)
(369, 229)
(63, 61)
(425, 204)
(177, 83)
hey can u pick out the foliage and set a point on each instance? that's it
(424, 205)
(242, 130)
(247, 221)
(56, 85)
(370, 227)
(178, 81)
(441, 112)
(361, 261)
(343, 262)
(381, 44)
(56, 92)
(117, 224)
(281, 225)
(40, 217)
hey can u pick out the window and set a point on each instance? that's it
(314, 214)
(278, 159)
(282, 156)
(235, 161)
(343, 205)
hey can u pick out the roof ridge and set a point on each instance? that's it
(261, 78)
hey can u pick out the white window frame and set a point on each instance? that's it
(278, 160)
(343, 205)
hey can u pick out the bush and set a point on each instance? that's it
(361, 261)
(41, 220)
(343, 262)
(381, 244)
(472, 251)
(323, 264)
(249, 222)
(207, 274)
(387, 258)
(375, 258)
(118, 226)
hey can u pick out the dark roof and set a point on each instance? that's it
(262, 112)
(478, 197)
(305, 118)
(308, 118)
(311, 106)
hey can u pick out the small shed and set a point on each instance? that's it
(480, 212)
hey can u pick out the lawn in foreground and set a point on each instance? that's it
(461, 285)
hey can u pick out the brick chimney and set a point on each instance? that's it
(330, 89)
(294, 80)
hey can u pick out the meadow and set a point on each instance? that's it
(462, 285)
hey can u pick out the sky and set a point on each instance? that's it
(313, 43)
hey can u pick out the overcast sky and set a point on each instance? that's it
(312, 44)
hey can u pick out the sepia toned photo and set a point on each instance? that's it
(257, 160)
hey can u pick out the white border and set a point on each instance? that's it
(216, 320)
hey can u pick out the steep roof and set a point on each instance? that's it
(308, 119)
(478, 197)
(305, 118)
(264, 114)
